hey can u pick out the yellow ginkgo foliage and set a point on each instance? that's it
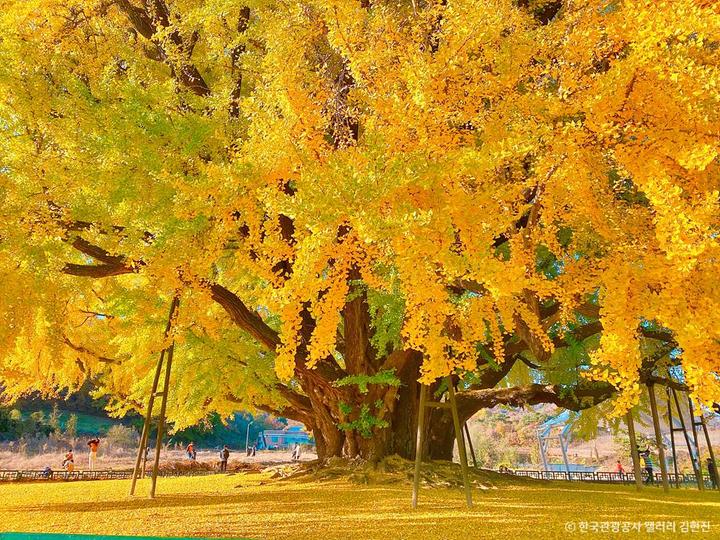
(351, 195)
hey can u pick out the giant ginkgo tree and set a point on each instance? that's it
(351, 196)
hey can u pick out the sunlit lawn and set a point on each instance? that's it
(237, 505)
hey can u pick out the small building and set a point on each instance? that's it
(277, 439)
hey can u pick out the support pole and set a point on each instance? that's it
(161, 421)
(541, 448)
(672, 438)
(142, 455)
(470, 445)
(146, 425)
(691, 410)
(634, 450)
(460, 442)
(144, 464)
(699, 471)
(658, 438)
(563, 448)
(707, 441)
(694, 456)
(419, 444)
(710, 451)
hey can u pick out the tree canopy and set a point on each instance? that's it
(336, 188)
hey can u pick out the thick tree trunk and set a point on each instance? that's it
(398, 437)
(329, 438)
(441, 436)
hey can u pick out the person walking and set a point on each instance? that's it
(145, 460)
(646, 462)
(224, 455)
(93, 444)
(712, 471)
(619, 468)
(295, 456)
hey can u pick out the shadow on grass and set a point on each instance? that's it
(316, 497)
(285, 500)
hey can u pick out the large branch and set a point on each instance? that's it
(660, 335)
(357, 331)
(572, 398)
(97, 252)
(248, 320)
(327, 369)
(296, 400)
(116, 265)
(575, 398)
(284, 411)
(491, 375)
(113, 265)
(288, 412)
(398, 359)
(588, 330)
(97, 270)
(298, 404)
(242, 26)
(147, 22)
(85, 350)
(662, 381)
(578, 334)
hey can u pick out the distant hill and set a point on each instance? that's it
(93, 420)
(87, 424)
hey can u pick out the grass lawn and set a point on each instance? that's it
(242, 505)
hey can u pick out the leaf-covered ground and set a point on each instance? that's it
(251, 505)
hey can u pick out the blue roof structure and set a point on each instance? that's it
(563, 419)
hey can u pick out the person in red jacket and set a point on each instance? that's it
(191, 453)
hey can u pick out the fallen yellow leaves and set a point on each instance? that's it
(251, 506)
